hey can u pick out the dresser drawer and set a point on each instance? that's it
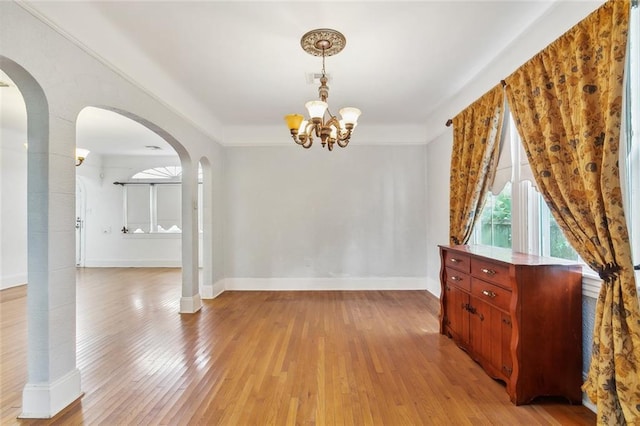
(492, 294)
(493, 272)
(455, 277)
(456, 260)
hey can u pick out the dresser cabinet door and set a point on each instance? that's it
(457, 316)
(490, 338)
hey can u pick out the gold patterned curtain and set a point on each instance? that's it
(567, 104)
(476, 133)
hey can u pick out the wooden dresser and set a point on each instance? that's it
(519, 316)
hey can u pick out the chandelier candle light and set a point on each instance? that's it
(323, 42)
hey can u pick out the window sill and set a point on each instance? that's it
(153, 236)
(591, 283)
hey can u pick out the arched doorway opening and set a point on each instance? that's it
(124, 222)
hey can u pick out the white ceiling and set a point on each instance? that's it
(237, 64)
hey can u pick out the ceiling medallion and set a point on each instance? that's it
(323, 42)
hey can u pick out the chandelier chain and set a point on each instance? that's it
(323, 72)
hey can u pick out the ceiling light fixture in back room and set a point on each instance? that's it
(323, 42)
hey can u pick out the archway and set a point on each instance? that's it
(140, 145)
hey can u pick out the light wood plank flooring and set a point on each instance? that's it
(262, 358)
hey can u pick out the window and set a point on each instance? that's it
(517, 216)
(137, 210)
(494, 225)
(153, 201)
(551, 238)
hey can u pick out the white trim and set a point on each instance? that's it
(587, 403)
(585, 399)
(133, 263)
(591, 285)
(152, 235)
(190, 305)
(300, 284)
(14, 280)
(45, 400)
(212, 291)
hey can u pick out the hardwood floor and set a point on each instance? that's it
(262, 358)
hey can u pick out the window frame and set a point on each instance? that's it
(631, 163)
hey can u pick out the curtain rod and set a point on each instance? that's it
(504, 84)
(150, 183)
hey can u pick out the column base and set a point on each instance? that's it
(190, 305)
(45, 400)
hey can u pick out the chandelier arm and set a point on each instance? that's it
(333, 121)
(308, 131)
(343, 142)
(344, 138)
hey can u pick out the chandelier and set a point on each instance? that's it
(321, 123)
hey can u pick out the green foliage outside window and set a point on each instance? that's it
(494, 227)
(558, 244)
(495, 221)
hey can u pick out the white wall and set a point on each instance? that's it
(438, 166)
(353, 212)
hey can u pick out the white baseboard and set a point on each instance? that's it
(133, 263)
(8, 281)
(591, 286)
(212, 291)
(299, 284)
(587, 403)
(45, 400)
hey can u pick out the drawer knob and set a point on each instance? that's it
(454, 260)
(455, 278)
(489, 293)
(488, 271)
